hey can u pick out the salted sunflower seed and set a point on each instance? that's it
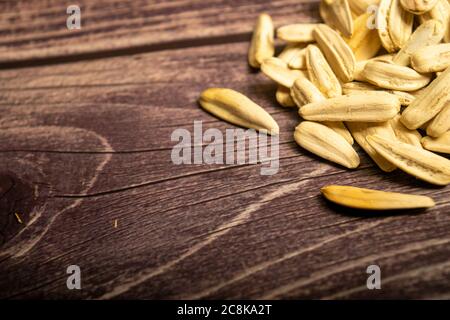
(338, 53)
(337, 14)
(416, 161)
(429, 103)
(361, 130)
(428, 33)
(300, 32)
(400, 24)
(381, 22)
(304, 91)
(277, 70)
(431, 58)
(236, 108)
(369, 199)
(320, 73)
(262, 44)
(441, 144)
(404, 134)
(283, 96)
(364, 41)
(418, 6)
(441, 123)
(395, 77)
(326, 143)
(375, 106)
(440, 12)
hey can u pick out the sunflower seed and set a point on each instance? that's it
(381, 21)
(326, 143)
(320, 73)
(369, 199)
(338, 53)
(400, 24)
(304, 91)
(301, 32)
(337, 15)
(375, 106)
(441, 123)
(431, 58)
(441, 144)
(416, 161)
(262, 45)
(428, 33)
(440, 12)
(392, 76)
(361, 130)
(236, 108)
(429, 103)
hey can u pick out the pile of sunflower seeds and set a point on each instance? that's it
(376, 72)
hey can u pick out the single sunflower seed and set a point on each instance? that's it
(431, 58)
(236, 108)
(320, 73)
(339, 55)
(428, 33)
(337, 14)
(368, 106)
(381, 23)
(441, 123)
(440, 144)
(400, 24)
(299, 32)
(395, 77)
(326, 143)
(369, 199)
(429, 102)
(416, 161)
(262, 44)
(304, 91)
(440, 12)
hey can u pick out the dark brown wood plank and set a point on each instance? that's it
(86, 143)
(37, 29)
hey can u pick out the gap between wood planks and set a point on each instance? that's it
(169, 45)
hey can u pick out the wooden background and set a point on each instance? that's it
(85, 123)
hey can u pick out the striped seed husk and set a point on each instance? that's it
(262, 44)
(369, 199)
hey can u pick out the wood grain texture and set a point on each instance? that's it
(85, 143)
(37, 29)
